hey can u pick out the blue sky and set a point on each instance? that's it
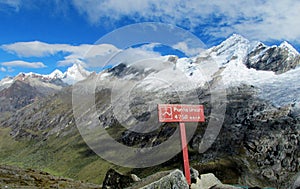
(40, 36)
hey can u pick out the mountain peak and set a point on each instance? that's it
(285, 45)
(76, 67)
(234, 39)
(56, 74)
(235, 47)
(75, 73)
(278, 59)
(237, 37)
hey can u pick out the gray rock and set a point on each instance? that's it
(210, 181)
(277, 59)
(174, 179)
(135, 178)
(296, 184)
(194, 175)
(173, 59)
(115, 180)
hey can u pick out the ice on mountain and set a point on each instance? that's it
(292, 51)
(56, 74)
(74, 74)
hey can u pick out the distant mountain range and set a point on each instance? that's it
(73, 74)
(25, 88)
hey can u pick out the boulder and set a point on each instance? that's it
(135, 178)
(115, 180)
(210, 181)
(168, 179)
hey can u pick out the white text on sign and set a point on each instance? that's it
(180, 113)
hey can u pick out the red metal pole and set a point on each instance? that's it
(185, 154)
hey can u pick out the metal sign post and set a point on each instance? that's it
(184, 147)
(182, 113)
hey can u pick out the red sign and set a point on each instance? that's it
(180, 113)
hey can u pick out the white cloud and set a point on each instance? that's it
(149, 47)
(133, 55)
(85, 54)
(72, 54)
(183, 46)
(24, 64)
(2, 69)
(256, 20)
(89, 55)
(259, 20)
(36, 48)
(70, 61)
(130, 55)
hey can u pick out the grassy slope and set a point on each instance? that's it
(66, 156)
(69, 156)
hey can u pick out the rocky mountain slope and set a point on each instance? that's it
(26, 88)
(256, 85)
(277, 59)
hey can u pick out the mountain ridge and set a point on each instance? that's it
(72, 75)
(235, 42)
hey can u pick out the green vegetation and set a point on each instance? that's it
(66, 156)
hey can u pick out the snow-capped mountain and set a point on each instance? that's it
(235, 48)
(26, 88)
(236, 61)
(56, 74)
(74, 74)
(278, 59)
(288, 47)
(273, 69)
(6, 82)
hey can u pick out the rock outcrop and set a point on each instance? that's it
(174, 179)
(115, 180)
(210, 181)
(278, 59)
(257, 132)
